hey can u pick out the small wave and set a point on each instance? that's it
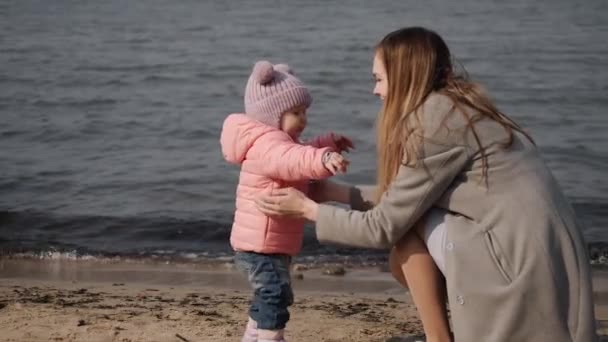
(24, 50)
(12, 184)
(206, 75)
(159, 104)
(358, 48)
(75, 255)
(17, 80)
(12, 133)
(53, 173)
(162, 78)
(139, 40)
(124, 68)
(202, 28)
(75, 103)
(115, 82)
(204, 257)
(198, 133)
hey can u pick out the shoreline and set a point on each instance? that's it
(218, 275)
(329, 277)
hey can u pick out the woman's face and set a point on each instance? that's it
(379, 72)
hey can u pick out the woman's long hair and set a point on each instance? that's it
(418, 62)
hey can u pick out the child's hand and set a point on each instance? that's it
(334, 162)
(344, 144)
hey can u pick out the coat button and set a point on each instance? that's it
(449, 246)
(460, 300)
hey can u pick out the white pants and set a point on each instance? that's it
(435, 236)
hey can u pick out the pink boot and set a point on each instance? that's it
(251, 331)
(270, 335)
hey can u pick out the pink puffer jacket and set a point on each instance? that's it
(270, 159)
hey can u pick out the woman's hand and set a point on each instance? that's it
(288, 202)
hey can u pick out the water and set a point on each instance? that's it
(110, 111)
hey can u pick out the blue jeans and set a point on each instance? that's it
(269, 277)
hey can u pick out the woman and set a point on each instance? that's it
(453, 168)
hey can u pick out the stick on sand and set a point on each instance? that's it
(182, 338)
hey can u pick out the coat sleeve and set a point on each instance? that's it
(284, 159)
(413, 191)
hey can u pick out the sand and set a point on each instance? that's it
(90, 301)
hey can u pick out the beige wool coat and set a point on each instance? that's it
(517, 267)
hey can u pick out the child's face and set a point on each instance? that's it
(293, 121)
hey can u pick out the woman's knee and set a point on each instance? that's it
(410, 244)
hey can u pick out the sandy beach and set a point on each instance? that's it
(128, 302)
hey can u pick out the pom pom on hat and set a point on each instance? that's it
(263, 72)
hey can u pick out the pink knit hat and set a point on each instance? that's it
(271, 91)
